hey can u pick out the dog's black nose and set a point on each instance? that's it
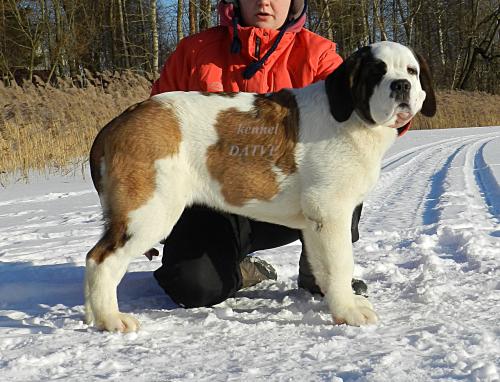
(400, 89)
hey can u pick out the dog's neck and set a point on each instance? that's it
(359, 119)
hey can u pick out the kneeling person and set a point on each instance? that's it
(261, 47)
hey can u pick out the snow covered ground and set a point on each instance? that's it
(429, 252)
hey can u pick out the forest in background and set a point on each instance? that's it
(64, 38)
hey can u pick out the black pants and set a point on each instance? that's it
(201, 256)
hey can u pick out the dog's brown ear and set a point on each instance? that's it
(339, 86)
(429, 106)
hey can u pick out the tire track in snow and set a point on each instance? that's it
(410, 171)
(462, 186)
(479, 187)
(447, 261)
(399, 158)
(431, 211)
(452, 212)
(487, 182)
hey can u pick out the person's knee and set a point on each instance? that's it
(191, 285)
(195, 294)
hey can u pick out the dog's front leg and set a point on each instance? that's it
(329, 248)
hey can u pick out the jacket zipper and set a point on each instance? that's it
(257, 47)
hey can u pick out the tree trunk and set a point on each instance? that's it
(154, 29)
(180, 33)
(441, 39)
(123, 35)
(470, 55)
(395, 22)
(329, 24)
(146, 43)
(58, 49)
(205, 14)
(192, 17)
(408, 19)
(112, 32)
(366, 23)
(378, 6)
(481, 48)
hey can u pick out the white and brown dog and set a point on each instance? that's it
(303, 158)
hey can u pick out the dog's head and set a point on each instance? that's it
(385, 83)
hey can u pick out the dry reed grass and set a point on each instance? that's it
(462, 109)
(46, 129)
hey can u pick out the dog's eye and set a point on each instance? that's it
(412, 71)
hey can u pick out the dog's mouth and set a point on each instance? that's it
(403, 118)
(402, 115)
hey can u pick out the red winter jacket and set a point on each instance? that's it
(203, 61)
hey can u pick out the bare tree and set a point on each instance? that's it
(180, 12)
(123, 34)
(205, 14)
(192, 16)
(154, 29)
(408, 11)
(480, 42)
(378, 8)
(27, 24)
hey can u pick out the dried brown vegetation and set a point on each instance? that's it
(47, 129)
(43, 128)
(462, 109)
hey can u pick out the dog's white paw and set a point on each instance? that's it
(358, 312)
(119, 322)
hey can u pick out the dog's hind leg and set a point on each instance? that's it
(105, 266)
(89, 315)
(125, 238)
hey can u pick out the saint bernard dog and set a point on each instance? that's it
(303, 158)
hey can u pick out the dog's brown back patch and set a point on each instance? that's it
(129, 145)
(251, 144)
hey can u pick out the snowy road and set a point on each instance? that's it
(429, 252)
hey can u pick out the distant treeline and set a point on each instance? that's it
(54, 38)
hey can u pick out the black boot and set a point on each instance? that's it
(306, 278)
